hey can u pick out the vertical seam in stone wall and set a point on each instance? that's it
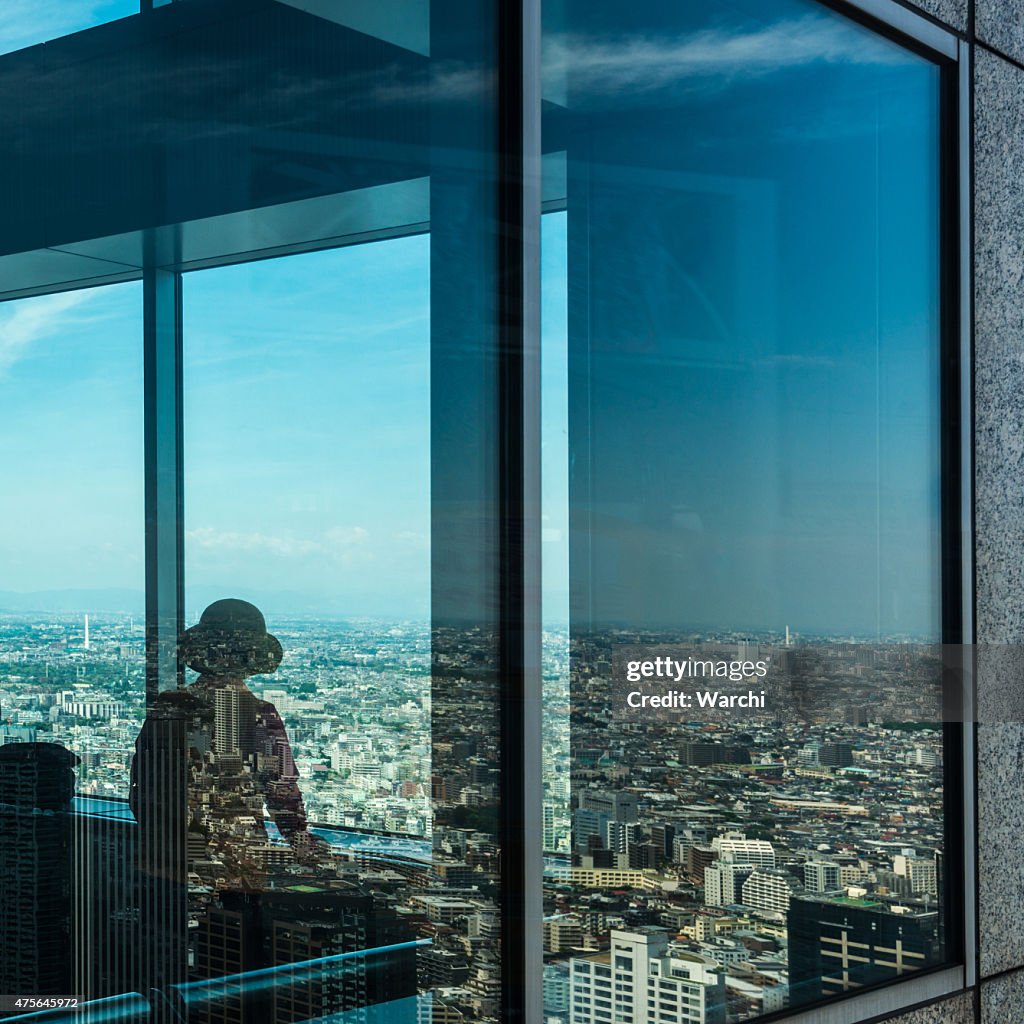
(972, 292)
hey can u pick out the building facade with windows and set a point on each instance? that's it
(642, 981)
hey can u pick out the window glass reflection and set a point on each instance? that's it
(307, 385)
(72, 664)
(745, 280)
(72, 531)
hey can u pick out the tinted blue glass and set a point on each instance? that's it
(742, 268)
(759, 190)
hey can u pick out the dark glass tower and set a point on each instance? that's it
(37, 784)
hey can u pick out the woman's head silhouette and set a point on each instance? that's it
(231, 639)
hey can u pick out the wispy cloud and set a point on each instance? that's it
(339, 541)
(443, 82)
(643, 63)
(346, 536)
(30, 320)
(230, 541)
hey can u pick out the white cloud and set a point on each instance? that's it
(339, 541)
(413, 538)
(642, 63)
(230, 541)
(638, 63)
(30, 320)
(347, 536)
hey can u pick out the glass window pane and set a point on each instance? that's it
(72, 640)
(308, 192)
(741, 268)
(307, 384)
(72, 551)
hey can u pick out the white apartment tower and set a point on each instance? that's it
(735, 846)
(641, 981)
(921, 871)
(723, 881)
(768, 889)
(823, 876)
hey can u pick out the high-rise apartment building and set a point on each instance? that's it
(822, 876)
(769, 889)
(921, 873)
(835, 755)
(618, 806)
(641, 980)
(723, 882)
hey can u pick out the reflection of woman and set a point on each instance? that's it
(226, 752)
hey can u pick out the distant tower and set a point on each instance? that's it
(787, 635)
(87, 632)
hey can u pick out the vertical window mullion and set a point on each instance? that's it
(163, 428)
(520, 561)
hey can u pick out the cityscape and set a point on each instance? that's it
(697, 871)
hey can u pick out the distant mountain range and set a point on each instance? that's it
(125, 601)
(113, 599)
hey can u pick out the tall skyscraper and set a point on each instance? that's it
(106, 906)
(292, 926)
(37, 784)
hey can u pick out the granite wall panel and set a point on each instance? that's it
(1000, 24)
(958, 1010)
(999, 498)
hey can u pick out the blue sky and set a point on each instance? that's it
(307, 429)
(28, 22)
(307, 433)
(71, 440)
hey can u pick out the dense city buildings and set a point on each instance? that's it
(804, 804)
(704, 864)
